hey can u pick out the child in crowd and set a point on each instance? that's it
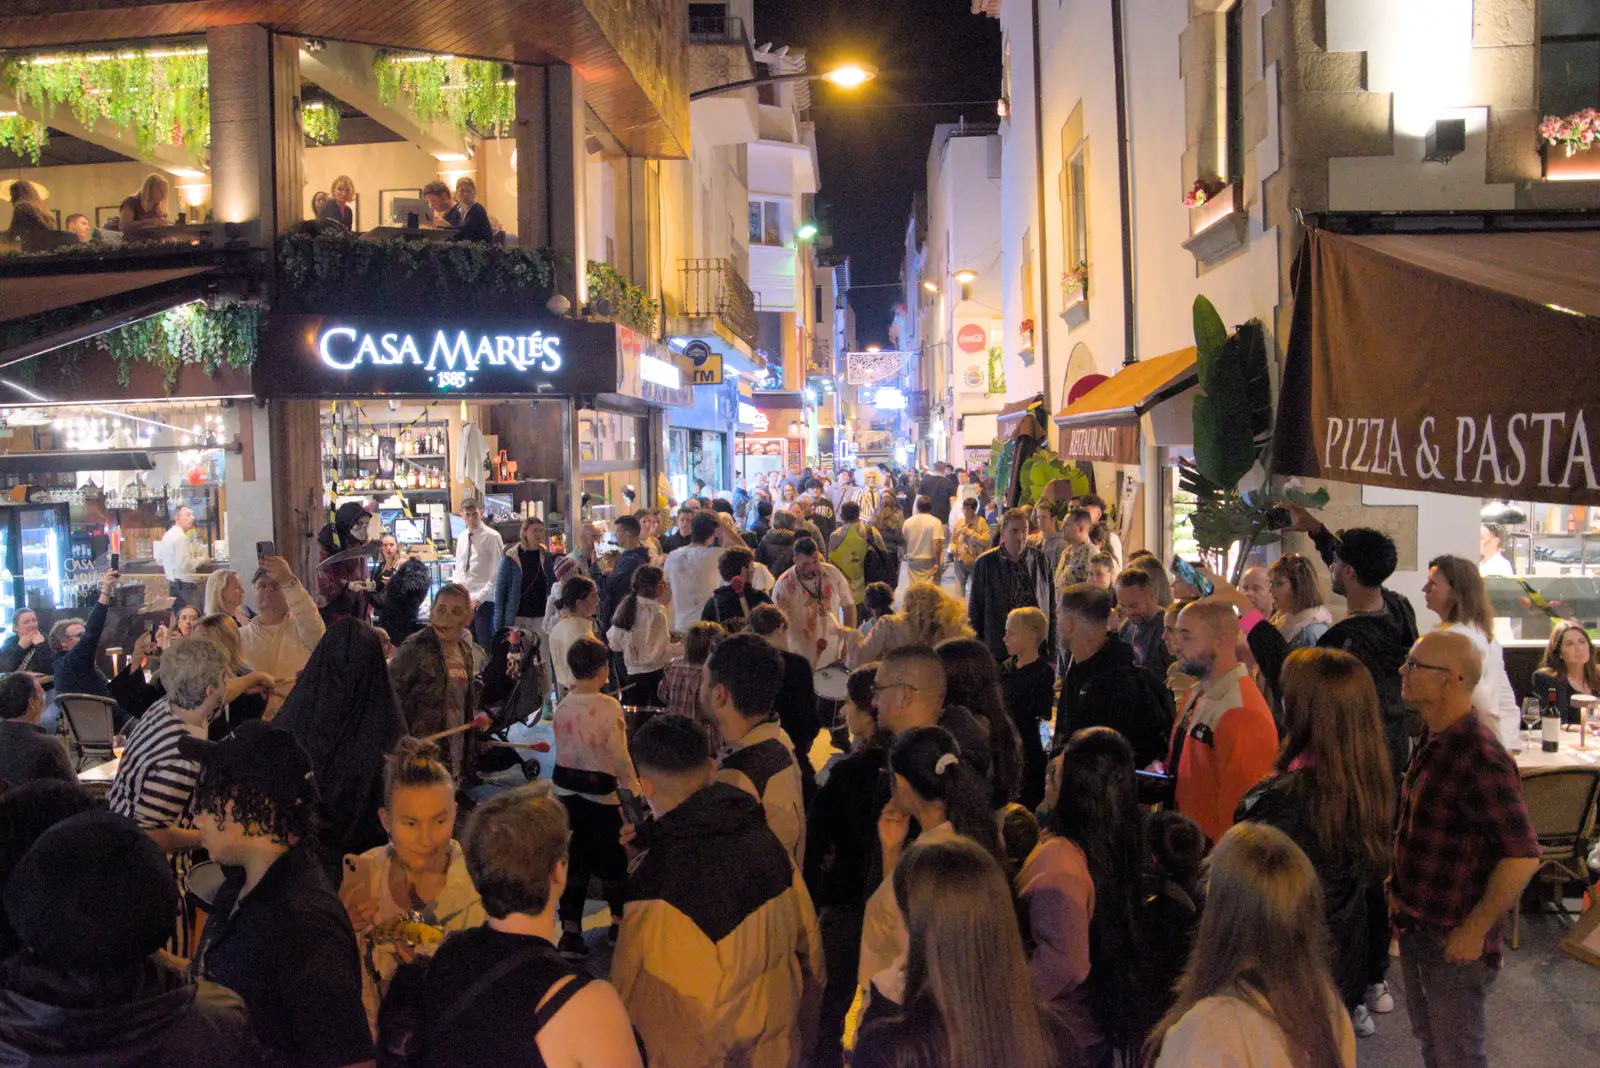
(680, 686)
(592, 760)
(879, 602)
(1027, 682)
(578, 603)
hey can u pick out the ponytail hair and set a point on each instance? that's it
(414, 762)
(573, 590)
(647, 582)
(929, 759)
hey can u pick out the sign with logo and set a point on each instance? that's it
(759, 423)
(356, 356)
(972, 336)
(750, 415)
(707, 365)
(650, 371)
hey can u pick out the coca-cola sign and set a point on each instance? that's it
(972, 337)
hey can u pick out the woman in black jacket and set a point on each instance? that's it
(26, 649)
(841, 840)
(1333, 794)
(1569, 667)
(399, 586)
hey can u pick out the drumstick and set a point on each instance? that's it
(538, 747)
(478, 722)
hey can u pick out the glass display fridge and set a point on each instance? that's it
(34, 542)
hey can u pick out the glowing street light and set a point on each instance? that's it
(806, 231)
(966, 278)
(930, 287)
(845, 76)
(851, 75)
(872, 348)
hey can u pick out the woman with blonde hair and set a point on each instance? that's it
(470, 218)
(1332, 793)
(341, 194)
(146, 209)
(929, 616)
(247, 689)
(1257, 989)
(1299, 612)
(1454, 591)
(33, 227)
(224, 595)
(1569, 667)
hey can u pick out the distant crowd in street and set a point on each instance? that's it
(1079, 815)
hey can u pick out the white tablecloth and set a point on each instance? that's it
(1570, 756)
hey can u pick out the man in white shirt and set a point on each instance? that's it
(279, 640)
(1491, 560)
(478, 553)
(924, 536)
(179, 558)
(816, 599)
(691, 571)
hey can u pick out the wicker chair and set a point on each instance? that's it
(1561, 807)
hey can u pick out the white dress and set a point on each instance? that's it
(1493, 695)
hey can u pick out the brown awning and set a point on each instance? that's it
(24, 296)
(1013, 420)
(1453, 363)
(1103, 424)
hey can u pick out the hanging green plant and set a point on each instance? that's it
(159, 95)
(625, 302)
(997, 371)
(471, 94)
(22, 136)
(320, 120)
(208, 334)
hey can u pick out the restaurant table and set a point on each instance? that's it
(420, 233)
(1570, 756)
(98, 779)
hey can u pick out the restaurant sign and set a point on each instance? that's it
(1108, 444)
(309, 355)
(1399, 372)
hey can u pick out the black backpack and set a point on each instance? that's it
(879, 565)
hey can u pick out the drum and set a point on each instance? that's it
(832, 682)
(202, 883)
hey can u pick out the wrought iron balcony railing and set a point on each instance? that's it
(715, 288)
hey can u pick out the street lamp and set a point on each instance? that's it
(966, 278)
(806, 231)
(845, 76)
(930, 287)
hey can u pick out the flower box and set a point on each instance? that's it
(1218, 227)
(1582, 166)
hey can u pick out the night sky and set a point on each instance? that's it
(873, 159)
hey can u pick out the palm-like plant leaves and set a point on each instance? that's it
(1233, 408)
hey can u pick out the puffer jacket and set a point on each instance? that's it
(719, 940)
(149, 1017)
(399, 599)
(776, 551)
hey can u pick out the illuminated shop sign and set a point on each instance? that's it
(660, 372)
(453, 360)
(355, 356)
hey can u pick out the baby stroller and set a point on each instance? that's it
(515, 695)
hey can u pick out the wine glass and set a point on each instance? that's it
(1532, 712)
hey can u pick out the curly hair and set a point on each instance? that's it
(252, 808)
(934, 615)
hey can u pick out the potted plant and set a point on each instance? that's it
(1574, 135)
(1026, 330)
(1075, 285)
(1204, 189)
(1232, 439)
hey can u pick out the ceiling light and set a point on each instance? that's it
(966, 278)
(930, 287)
(451, 157)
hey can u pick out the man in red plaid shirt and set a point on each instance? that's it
(1463, 852)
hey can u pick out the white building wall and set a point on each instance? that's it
(1019, 204)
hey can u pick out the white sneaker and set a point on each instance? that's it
(1362, 1021)
(1379, 999)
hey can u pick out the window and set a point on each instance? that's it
(767, 94)
(1569, 56)
(816, 292)
(1078, 207)
(764, 223)
(1232, 155)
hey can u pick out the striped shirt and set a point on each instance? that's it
(154, 784)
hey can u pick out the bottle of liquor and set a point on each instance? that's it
(1550, 724)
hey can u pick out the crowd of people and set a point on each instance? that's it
(1083, 817)
(36, 228)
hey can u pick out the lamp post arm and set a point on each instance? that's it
(734, 87)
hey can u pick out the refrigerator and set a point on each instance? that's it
(34, 547)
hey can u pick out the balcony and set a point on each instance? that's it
(719, 54)
(717, 29)
(714, 290)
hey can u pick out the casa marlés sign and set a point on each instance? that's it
(340, 356)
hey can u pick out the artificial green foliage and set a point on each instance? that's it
(997, 371)
(320, 121)
(470, 94)
(156, 95)
(628, 304)
(1233, 406)
(1044, 468)
(338, 273)
(1224, 518)
(23, 137)
(211, 335)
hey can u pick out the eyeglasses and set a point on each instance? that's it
(880, 687)
(1412, 662)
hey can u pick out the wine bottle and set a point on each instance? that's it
(1550, 724)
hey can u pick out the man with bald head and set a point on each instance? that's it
(1225, 741)
(1256, 585)
(1463, 852)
